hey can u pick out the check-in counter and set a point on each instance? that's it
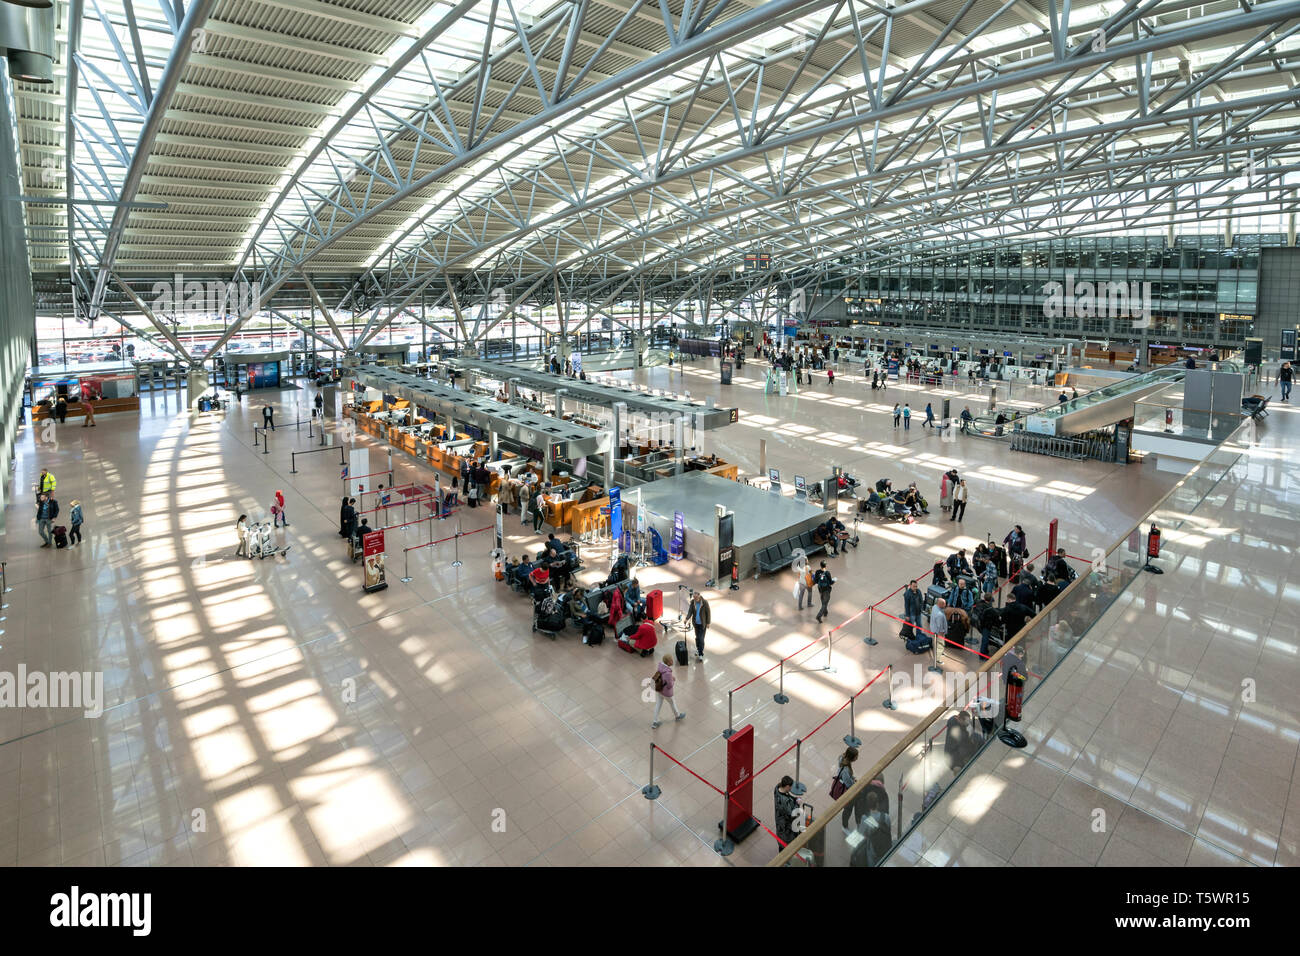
(725, 471)
(585, 516)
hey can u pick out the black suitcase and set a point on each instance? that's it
(593, 632)
(60, 536)
(682, 655)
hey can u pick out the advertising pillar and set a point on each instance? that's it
(740, 821)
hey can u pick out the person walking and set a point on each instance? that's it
(929, 415)
(268, 420)
(45, 484)
(959, 493)
(664, 683)
(701, 618)
(830, 378)
(803, 587)
(1284, 377)
(823, 580)
(88, 410)
(966, 419)
(843, 780)
(907, 418)
(320, 406)
(241, 529)
(76, 520)
(277, 510)
(898, 413)
(47, 509)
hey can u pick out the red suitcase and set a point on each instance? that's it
(654, 605)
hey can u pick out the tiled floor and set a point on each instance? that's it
(270, 712)
(1169, 736)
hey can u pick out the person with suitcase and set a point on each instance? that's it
(700, 618)
(663, 683)
(47, 509)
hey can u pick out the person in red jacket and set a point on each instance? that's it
(643, 639)
(278, 511)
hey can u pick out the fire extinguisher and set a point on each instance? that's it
(1015, 694)
(1169, 419)
(1153, 542)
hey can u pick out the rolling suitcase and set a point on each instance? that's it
(654, 605)
(682, 656)
(60, 536)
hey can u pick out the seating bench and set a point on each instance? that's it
(781, 555)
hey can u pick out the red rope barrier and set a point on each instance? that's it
(689, 770)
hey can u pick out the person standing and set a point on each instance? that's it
(823, 580)
(914, 606)
(907, 418)
(938, 627)
(959, 493)
(76, 519)
(241, 529)
(268, 420)
(1284, 377)
(844, 779)
(320, 406)
(701, 618)
(830, 377)
(785, 809)
(966, 419)
(664, 683)
(536, 511)
(47, 509)
(898, 413)
(278, 510)
(88, 410)
(343, 517)
(61, 409)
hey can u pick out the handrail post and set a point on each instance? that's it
(780, 697)
(798, 789)
(650, 791)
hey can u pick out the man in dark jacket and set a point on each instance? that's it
(700, 619)
(47, 509)
(914, 605)
(1284, 377)
(823, 581)
(1025, 592)
(1014, 616)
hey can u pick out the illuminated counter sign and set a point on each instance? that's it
(757, 261)
(1230, 317)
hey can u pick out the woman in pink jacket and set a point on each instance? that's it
(663, 680)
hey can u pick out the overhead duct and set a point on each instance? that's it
(27, 37)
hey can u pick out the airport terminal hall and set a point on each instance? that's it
(650, 433)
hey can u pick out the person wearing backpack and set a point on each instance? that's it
(843, 780)
(663, 683)
(823, 580)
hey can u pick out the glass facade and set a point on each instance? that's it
(1198, 291)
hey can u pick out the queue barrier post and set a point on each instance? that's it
(830, 640)
(870, 639)
(406, 566)
(889, 690)
(456, 562)
(293, 463)
(730, 730)
(650, 791)
(266, 444)
(851, 739)
(798, 789)
(723, 845)
(780, 696)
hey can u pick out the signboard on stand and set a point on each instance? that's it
(740, 821)
(616, 513)
(372, 561)
(725, 368)
(677, 549)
